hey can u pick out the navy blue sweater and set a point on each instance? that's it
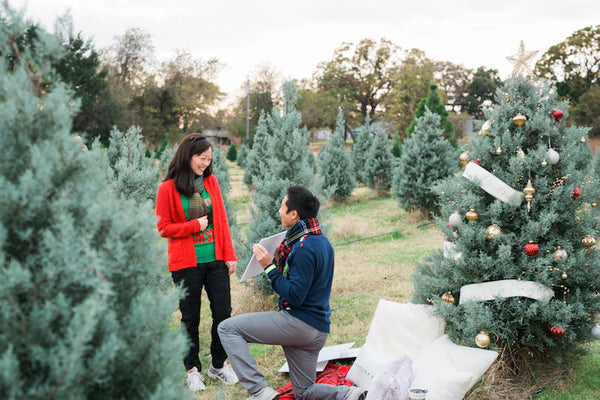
(305, 293)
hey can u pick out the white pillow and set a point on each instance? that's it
(442, 367)
(397, 329)
(436, 373)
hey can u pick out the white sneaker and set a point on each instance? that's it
(266, 393)
(356, 393)
(224, 374)
(194, 380)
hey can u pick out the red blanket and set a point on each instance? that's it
(333, 374)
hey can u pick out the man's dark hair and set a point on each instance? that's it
(180, 170)
(303, 201)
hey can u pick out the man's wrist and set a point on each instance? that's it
(269, 268)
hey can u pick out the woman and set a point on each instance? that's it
(191, 215)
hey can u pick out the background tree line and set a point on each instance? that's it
(124, 85)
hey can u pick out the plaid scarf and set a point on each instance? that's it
(303, 227)
(198, 205)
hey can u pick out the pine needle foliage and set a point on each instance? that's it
(379, 165)
(426, 158)
(335, 170)
(86, 308)
(557, 219)
(280, 158)
(360, 150)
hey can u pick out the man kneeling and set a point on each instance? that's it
(301, 274)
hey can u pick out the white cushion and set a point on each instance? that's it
(397, 329)
(448, 370)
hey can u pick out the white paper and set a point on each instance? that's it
(327, 353)
(505, 288)
(270, 243)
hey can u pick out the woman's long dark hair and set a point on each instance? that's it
(179, 168)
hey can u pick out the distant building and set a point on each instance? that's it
(218, 137)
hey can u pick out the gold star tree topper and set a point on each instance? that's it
(521, 61)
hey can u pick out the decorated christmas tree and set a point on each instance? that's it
(519, 268)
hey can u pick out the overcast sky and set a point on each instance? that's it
(294, 36)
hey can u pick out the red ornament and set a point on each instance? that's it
(557, 114)
(557, 331)
(476, 162)
(448, 223)
(531, 249)
(576, 193)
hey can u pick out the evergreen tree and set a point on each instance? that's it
(85, 310)
(540, 239)
(242, 155)
(221, 172)
(132, 175)
(427, 158)
(360, 150)
(258, 155)
(285, 146)
(433, 103)
(232, 152)
(334, 165)
(379, 165)
(396, 148)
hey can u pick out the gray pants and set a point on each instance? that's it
(301, 344)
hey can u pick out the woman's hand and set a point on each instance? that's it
(231, 266)
(203, 222)
(262, 255)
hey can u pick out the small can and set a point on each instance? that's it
(417, 394)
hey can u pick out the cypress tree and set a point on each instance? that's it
(131, 174)
(285, 145)
(242, 155)
(360, 150)
(379, 165)
(335, 171)
(434, 104)
(427, 158)
(86, 306)
(232, 152)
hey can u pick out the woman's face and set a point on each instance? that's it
(200, 162)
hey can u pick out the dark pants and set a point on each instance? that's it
(215, 278)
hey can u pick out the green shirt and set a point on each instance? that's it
(204, 241)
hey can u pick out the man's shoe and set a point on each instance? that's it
(266, 393)
(356, 393)
(224, 374)
(194, 380)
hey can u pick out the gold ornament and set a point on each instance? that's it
(485, 128)
(560, 254)
(499, 150)
(544, 163)
(472, 215)
(564, 275)
(492, 231)
(529, 191)
(464, 158)
(519, 120)
(588, 241)
(448, 298)
(582, 140)
(482, 339)
(594, 205)
(521, 61)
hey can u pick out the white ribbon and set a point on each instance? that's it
(505, 288)
(492, 185)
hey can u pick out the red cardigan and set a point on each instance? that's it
(173, 225)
